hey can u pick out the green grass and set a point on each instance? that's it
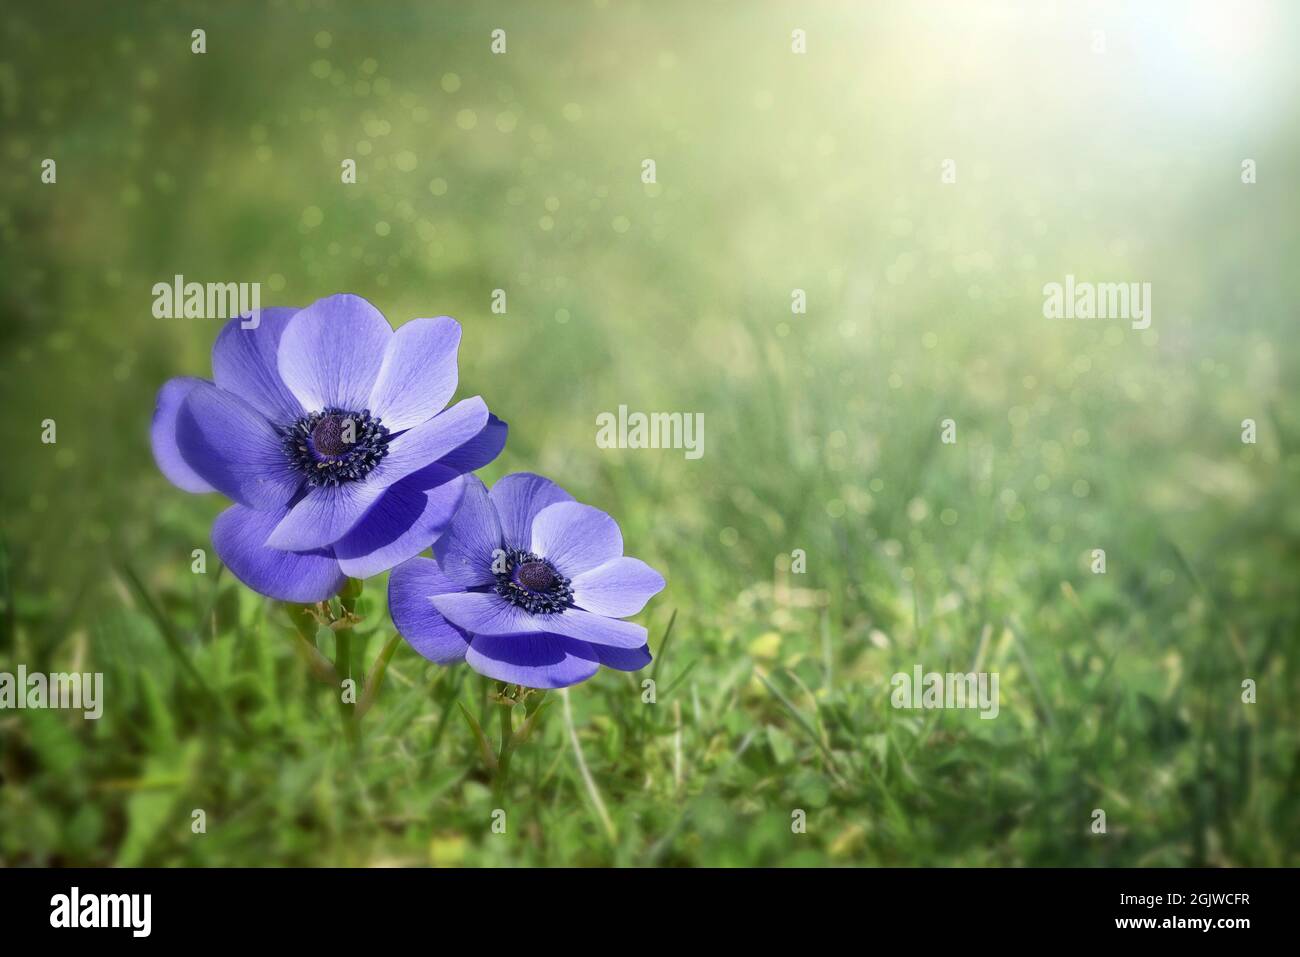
(1119, 691)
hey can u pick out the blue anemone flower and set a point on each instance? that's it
(527, 586)
(330, 433)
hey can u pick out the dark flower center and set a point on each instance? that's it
(532, 583)
(327, 437)
(335, 446)
(535, 576)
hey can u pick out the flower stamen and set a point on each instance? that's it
(334, 446)
(533, 584)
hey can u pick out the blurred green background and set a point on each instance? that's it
(1112, 159)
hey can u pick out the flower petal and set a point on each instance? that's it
(418, 375)
(228, 444)
(486, 613)
(618, 588)
(324, 515)
(598, 630)
(483, 612)
(331, 352)
(480, 450)
(410, 587)
(431, 440)
(518, 498)
(403, 523)
(622, 659)
(535, 661)
(575, 537)
(238, 534)
(431, 476)
(465, 549)
(244, 362)
(162, 436)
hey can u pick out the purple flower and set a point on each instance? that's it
(528, 587)
(328, 430)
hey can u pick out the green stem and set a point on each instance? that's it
(503, 756)
(343, 667)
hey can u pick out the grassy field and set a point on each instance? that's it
(776, 171)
